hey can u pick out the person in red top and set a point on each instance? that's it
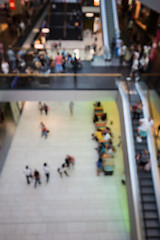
(58, 61)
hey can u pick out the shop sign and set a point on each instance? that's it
(12, 5)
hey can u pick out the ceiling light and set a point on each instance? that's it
(89, 15)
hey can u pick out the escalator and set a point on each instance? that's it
(110, 19)
(110, 24)
(146, 185)
(144, 207)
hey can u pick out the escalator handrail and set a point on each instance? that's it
(115, 19)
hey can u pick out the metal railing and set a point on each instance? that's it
(59, 81)
(146, 89)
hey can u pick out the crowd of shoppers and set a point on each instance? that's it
(37, 61)
(136, 56)
(104, 137)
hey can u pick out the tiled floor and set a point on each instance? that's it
(82, 206)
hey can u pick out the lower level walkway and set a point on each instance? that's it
(82, 206)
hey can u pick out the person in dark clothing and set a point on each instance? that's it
(113, 45)
(97, 104)
(104, 117)
(143, 158)
(158, 130)
(99, 166)
(95, 118)
(67, 162)
(37, 178)
(75, 64)
(45, 107)
(64, 170)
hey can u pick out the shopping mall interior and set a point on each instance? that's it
(79, 120)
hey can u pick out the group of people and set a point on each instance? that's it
(63, 170)
(103, 136)
(135, 55)
(142, 158)
(20, 62)
(15, 63)
(36, 174)
(43, 108)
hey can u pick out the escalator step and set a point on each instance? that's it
(152, 223)
(146, 182)
(149, 206)
(147, 190)
(148, 198)
(153, 238)
(153, 233)
(140, 146)
(134, 128)
(143, 175)
(150, 215)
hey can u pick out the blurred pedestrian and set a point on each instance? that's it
(99, 166)
(44, 132)
(40, 107)
(58, 61)
(37, 178)
(158, 130)
(64, 169)
(46, 108)
(70, 160)
(28, 173)
(46, 171)
(60, 172)
(4, 66)
(11, 58)
(1, 51)
(71, 107)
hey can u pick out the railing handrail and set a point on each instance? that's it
(61, 75)
(151, 75)
(151, 115)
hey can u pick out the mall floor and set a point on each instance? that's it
(81, 206)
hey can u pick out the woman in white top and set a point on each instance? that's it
(46, 171)
(5, 66)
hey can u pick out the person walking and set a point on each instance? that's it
(46, 108)
(60, 172)
(70, 160)
(71, 107)
(58, 61)
(44, 130)
(11, 58)
(46, 171)
(64, 169)
(28, 173)
(40, 107)
(37, 178)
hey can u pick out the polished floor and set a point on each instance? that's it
(82, 206)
